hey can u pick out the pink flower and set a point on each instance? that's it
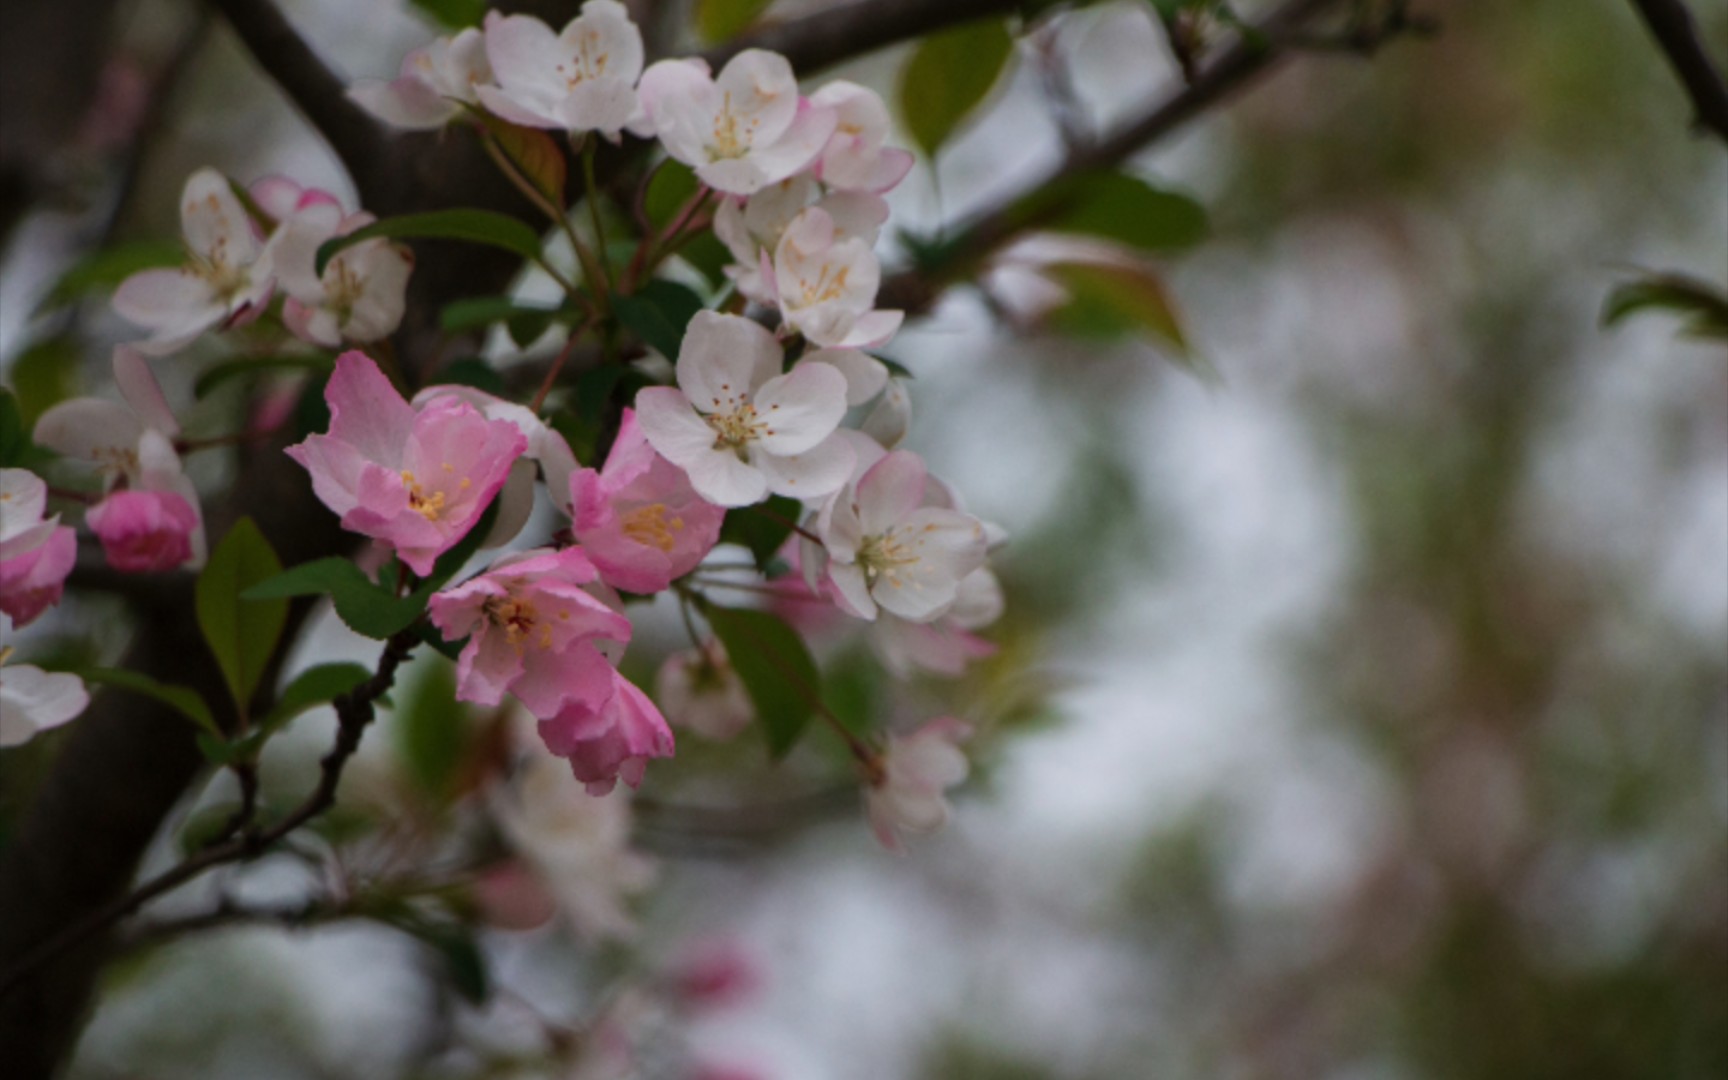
(36, 553)
(532, 628)
(608, 736)
(416, 480)
(433, 84)
(855, 158)
(638, 517)
(916, 769)
(144, 531)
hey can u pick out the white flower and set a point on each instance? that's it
(434, 83)
(827, 284)
(226, 282)
(751, 227)
(887, 548)
(698, 689)
(362, 293)
(855, 158)
(581, 79)
(742, 131)
(916, 769)
(738, 427)
(33, 700)
(946, 645)
(132, 444)
(579, 845)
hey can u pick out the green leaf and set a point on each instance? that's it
(317, 685)
(108, 268)
(762, 529)
(949, 75)
(1702, 304)
(776, 669)
(474, 226)
(367, 608)
(217, 374)
(670, 189)
(431, 729)
(44, 375)
(464, 963)
(659, 313)
(722, 20)
(182, 699)
(241, 633)
(535, 155)
(895, 367)
(1122, 208)
(1111, 300)
(453, 14)
(15, 444)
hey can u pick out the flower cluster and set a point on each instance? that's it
(240, 251)
(773, 395)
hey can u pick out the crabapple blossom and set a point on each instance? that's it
(608, 737)
(945, 645)
(578, 846)
(532, 629)
(827, 284)
(362, 293)
(546, 448)
(226, 282)
(415, 479)
(144, 531)
(36, 552)
(739, 427)
(742, 130)
(434, 83)
(855, 158)
(33, 700)
(699, 689)
(907, 794)
(638, 518)
(751, 227)
(886, 548)
(891, 417)
(133, 447)
(580, 79)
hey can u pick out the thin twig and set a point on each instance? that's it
(1677, 34)
(354, 711)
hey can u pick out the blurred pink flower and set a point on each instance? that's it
(916, 770)
(144, 531)
(36, 552)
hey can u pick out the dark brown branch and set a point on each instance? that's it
(824, 38)
(1231, 70)
(354, 711)
(312, 86)
(1675, 32)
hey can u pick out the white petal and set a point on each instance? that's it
(723, 359)
(816, 472)
(762, 93)
(515, 503)
(798, 147)
(33, 700)
(865, 375)
(23, 498)
(890, 491)
(723, 480)
(873, 328)
(671, 426)
(801, 408)
(88, 428)
(850, 592)
(214, 223)
(407, 103)
(139, 387)
(173, 304)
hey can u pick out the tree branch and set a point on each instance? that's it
(827, 37)
(1250, 56)
(354, 711)
(1671, 25)
(316, 90)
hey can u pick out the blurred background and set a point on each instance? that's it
(1362, 702)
